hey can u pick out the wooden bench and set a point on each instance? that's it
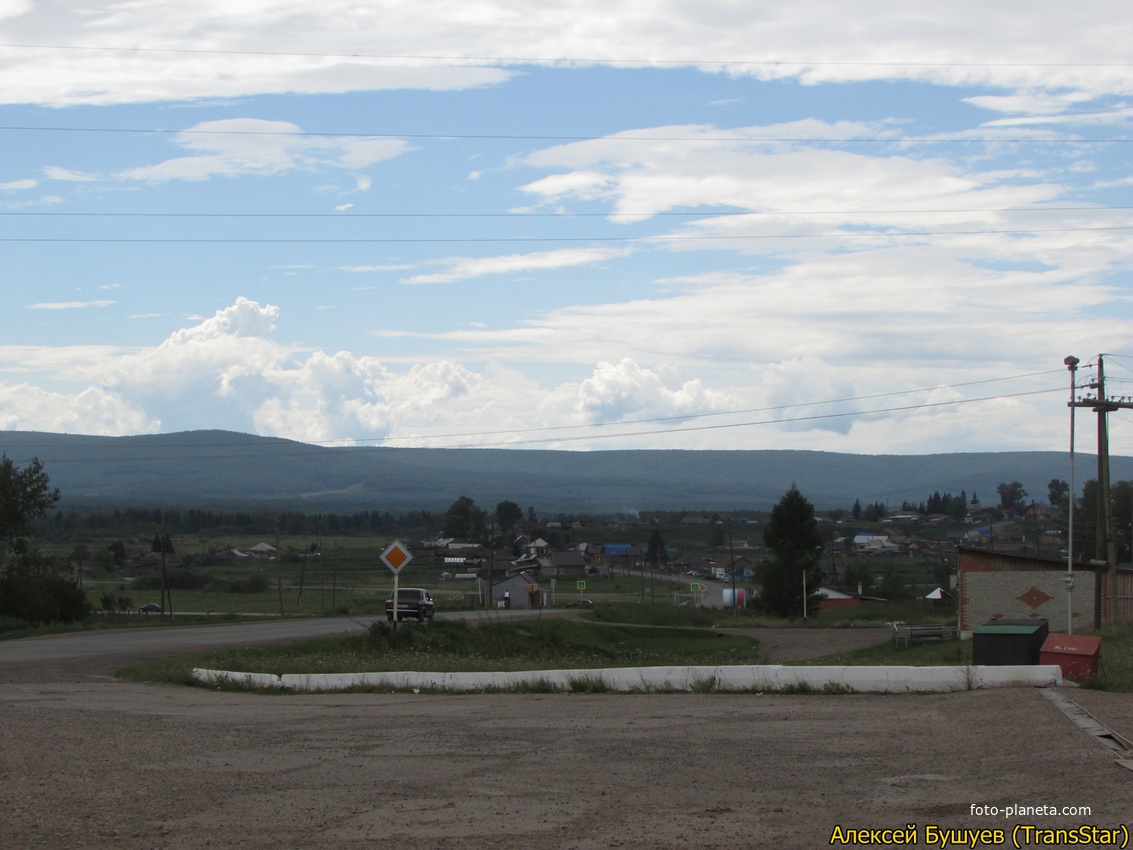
(904, 634)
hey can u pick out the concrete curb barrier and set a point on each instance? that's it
(767, 677)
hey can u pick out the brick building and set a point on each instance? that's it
(998, 585)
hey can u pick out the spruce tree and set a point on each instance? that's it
(794, 541)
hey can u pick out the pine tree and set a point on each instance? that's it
(794, 540)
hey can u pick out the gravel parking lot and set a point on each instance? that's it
(89, 761)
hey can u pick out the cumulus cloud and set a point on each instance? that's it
(93, 410)
(227, 371)
(621, 390)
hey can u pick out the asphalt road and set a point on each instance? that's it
(98, 653)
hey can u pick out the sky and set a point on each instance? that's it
(865, 227)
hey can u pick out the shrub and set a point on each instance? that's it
(175, 580)
(41, 599)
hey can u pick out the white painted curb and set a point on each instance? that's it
(767, 677)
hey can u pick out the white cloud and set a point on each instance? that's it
(92, 410)
(797, 185)
(239, 146)
(70, 305)
(227, 372)
(622, 390)
(464, 268)
(68, 175)
(810, 395)
(396, 267)
(1013, 44)
(18, 185)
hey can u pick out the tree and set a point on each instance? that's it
(508, 516)
(655, 553)
(1056, 491)
(794, 541)
(25, 496)
(1011, 496)
(856, 511)
(33, 588)
(464, 520)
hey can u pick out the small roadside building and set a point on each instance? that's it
(522, 589)
(830, 598)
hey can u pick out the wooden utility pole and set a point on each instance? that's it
(1105, 549)
(278, 567)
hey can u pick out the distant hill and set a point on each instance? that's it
(199, 468)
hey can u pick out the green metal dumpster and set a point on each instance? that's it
(1009, 642)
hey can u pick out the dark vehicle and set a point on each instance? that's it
(411, 602)
(580, 603)
(150, 608)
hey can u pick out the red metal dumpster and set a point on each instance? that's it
(1077, 655)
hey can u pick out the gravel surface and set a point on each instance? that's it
(89, 761)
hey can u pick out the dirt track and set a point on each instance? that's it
(90, 761)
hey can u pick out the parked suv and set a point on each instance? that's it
(411, 602)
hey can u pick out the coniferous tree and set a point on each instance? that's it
(794, 541)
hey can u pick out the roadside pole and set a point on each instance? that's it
(396, 556)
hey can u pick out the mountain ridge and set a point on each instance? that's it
(226, 467)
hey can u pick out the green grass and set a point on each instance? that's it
(668, 615)
(936, 653)
(869, 615)
(457, 646)
(1115, 668)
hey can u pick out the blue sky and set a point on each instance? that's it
(859, 227)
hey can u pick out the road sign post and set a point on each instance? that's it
(396, 556)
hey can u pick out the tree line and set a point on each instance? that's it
(135, 520)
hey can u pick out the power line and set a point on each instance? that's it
(687, 416)
(674, 237)
(564, 214)
(319, 445)
(789, 420)
(618, 137)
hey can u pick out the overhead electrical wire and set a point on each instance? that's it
(792, 419)
(566, 214)
(684, 417)
(601, 435)
(621, 136)
(672, 237)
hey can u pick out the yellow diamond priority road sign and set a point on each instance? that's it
(396, 556)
